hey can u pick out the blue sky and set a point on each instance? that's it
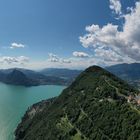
(46, 32)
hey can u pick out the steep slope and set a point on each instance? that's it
(128, 72)
(95, 106)
(16, 77)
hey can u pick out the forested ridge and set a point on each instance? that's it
(94, 107)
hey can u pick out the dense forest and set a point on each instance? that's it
(94, 107)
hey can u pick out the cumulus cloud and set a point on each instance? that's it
(66, 61)
(54, 58)
(15, 45)
(112, 44)
(14, 60)
(108, 55)
(99, 36)
(116, 6)
(23, 59)
(80, 54)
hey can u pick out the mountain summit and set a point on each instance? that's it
(97, 105)
(17, 77)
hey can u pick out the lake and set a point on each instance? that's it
(14, 101)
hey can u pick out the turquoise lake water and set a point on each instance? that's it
(14, 101)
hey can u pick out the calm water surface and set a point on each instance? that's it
(14, 101)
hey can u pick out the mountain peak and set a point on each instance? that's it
(16, 77)
(82, 111)
(17, 72)
(95, 76)
(94, 69)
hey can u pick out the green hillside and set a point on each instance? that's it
(94, 107)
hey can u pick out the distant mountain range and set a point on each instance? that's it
(127, 72)
(17, 77)
(55, 76)
(96, 106)
(25, 77)
(62, 73)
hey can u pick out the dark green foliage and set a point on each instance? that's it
(94, 107)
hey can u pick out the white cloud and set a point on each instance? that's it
(112, 44)
(15, 45)
(66, 61)
(80, 54)
(108, 55)
(116, 6)
(21, 60)
(55, 59)
(99, 36)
